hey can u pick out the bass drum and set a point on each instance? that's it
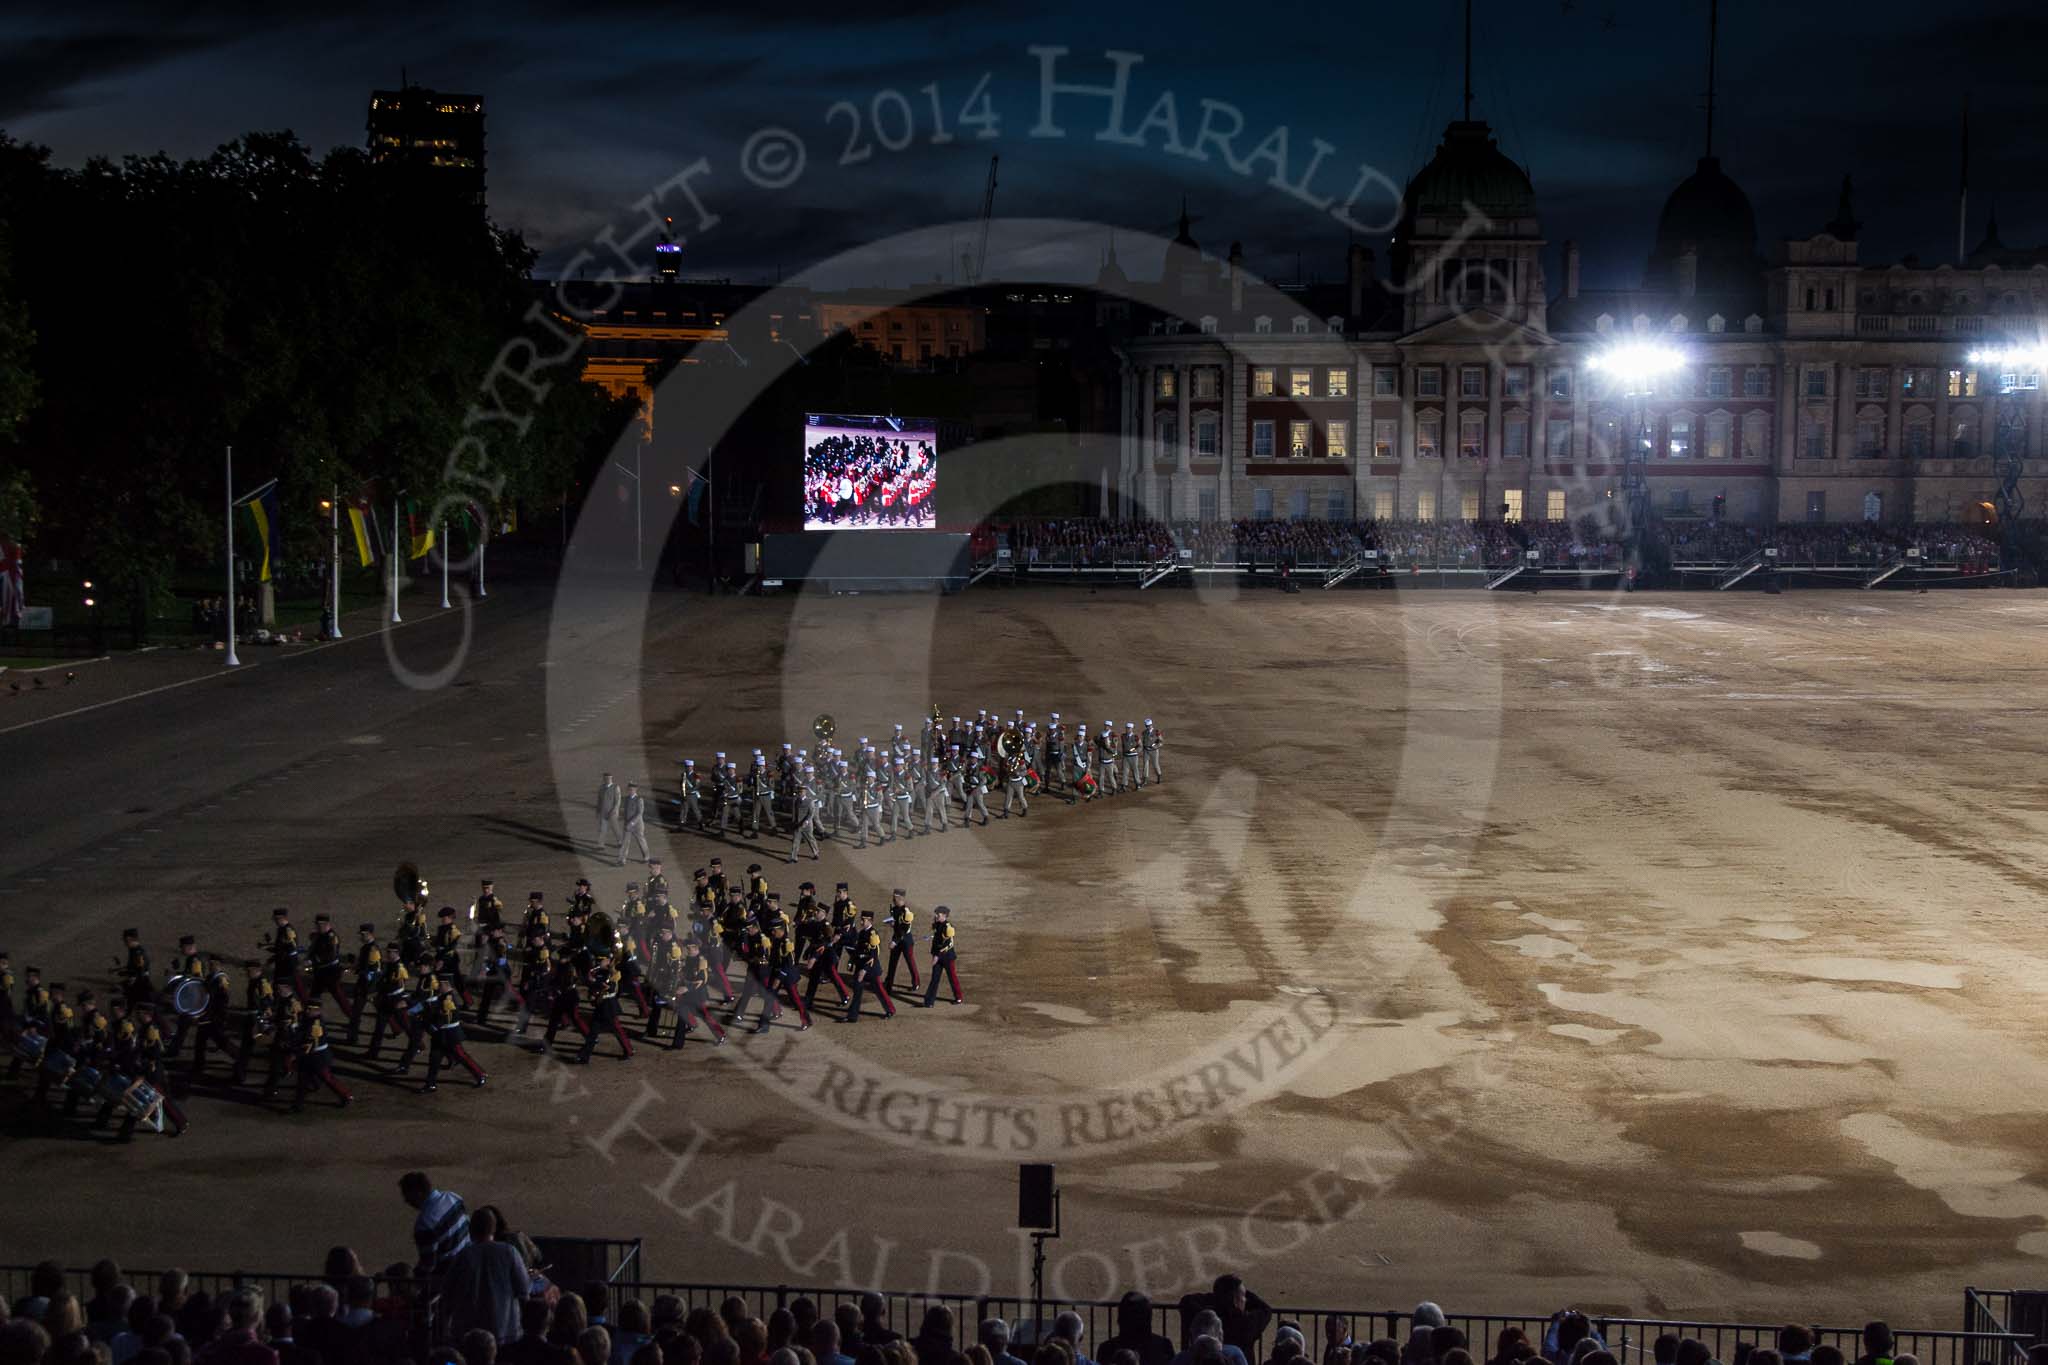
(185, 995)
(1032, 782)
(1085, 785)
(28, 1047)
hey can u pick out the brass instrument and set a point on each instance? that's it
(824, 727)
(935, 714)
(1010, 747)
(408, 885)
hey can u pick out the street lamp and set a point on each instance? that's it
(1636, 367)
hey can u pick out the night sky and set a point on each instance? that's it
(592, 105)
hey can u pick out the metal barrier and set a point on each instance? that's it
(1984, 1339)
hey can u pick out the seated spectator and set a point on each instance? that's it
(361, 1296)
(238, 1343)
(1795, 1344)
(1134, 1332)
(825, 1343)
(1510, 1345)
(341, 1266)
(751, 1336)
(110, 1319)
(63, 1316)
(631, 1332)
(934, 1340)
(1244, 1315)
(1208, 1324)
(1067, 1327)
(277, 1326)
(45, 1282)
(593, 1347)
(874, 1325)
(533, 1346)
(322, 1332)
(1877, 1344)
(23, 1341)
(106, 1278)
(994, 1334)
(732, 1312)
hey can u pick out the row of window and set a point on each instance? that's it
(1718, 381)
(1334, 381)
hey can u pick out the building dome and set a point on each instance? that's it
(1710, 213)
(1470, 168)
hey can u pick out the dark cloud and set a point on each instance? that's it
(43, 73)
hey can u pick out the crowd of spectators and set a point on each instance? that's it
(1092, 541)
(493, 1307)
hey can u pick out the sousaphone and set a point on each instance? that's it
(824, 727)
(408, 885)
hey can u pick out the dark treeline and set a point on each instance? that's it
(330, 318)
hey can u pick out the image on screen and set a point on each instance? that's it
(870, 473)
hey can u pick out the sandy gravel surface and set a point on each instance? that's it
(1675, 953)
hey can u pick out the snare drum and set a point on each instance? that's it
(29, 1047)
(58, 1063)
(141, 1100)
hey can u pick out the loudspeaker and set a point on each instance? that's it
(1034, 1196)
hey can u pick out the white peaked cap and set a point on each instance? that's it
(1148, 720)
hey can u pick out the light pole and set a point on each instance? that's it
(232, 661)
(334, 565)
(396, 554)
(2019, 369)
(1637, 366)
(638, 520)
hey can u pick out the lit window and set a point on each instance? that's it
(1162, 383)
(1262, 383)
(1429, 381)
(1511, 509)
(1298, 440)
(1429, 438)
(1471, 382)
(1471, 436)
(1468, 505)
(1301, 383)
(1337, 383)
(1679, 446)
(1262, 440)
(1383, 506)
(1337, 440)
(1383, 432)
(1720, 431)
(1560, 383)
(1515, 381)
(1553, 504)
(1425, 505)
(1962, 383)
(1386, 382)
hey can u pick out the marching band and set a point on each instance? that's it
(673, 964)
(908, 786)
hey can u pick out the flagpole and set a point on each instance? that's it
(232, 661)
(334, 564)
(395, 618)
(444, 564)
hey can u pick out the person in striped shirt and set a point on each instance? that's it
(442, 1228)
